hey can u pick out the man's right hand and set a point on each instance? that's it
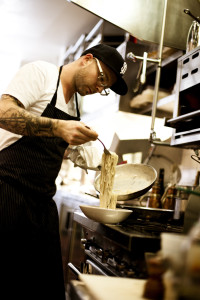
(75, 132)
(15, 118)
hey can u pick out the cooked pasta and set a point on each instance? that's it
(107, 198)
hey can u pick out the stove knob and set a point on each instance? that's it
(130, 273)
(99, 252)
(87, 243)
(83, 241)
(112, 262)
(120, 266)
(105, 256)
(92, 249)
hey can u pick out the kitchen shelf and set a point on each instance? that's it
(168, 60)
(176, 122)
(165, 104)
(186, 130)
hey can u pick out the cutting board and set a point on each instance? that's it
(113, 288)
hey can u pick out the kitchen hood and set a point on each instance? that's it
(143, 18)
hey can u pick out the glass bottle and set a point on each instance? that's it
(155, 196)
(169, 200)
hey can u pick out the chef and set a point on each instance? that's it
(39, 118)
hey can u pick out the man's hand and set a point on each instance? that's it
(75, 132)
(16, 119)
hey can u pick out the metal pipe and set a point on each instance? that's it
(134, 58)
(158, 72)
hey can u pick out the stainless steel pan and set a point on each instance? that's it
(131, 180)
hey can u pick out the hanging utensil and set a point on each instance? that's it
(193, 37)
(144, 66)
(137, 81)
(187, 12)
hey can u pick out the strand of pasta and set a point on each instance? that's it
(107, 198)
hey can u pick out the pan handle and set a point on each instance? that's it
(145, 198)
(74, 269)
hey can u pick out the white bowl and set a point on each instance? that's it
(104, 215)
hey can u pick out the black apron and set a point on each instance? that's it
(30, 255)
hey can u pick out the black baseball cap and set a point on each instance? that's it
(113, 59)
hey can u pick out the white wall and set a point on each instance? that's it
(38, 30)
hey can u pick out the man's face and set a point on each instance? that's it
(93, 78)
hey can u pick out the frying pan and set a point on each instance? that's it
(131, 180)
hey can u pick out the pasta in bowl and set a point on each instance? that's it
(107, 212)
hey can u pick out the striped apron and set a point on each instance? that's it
(30, 254)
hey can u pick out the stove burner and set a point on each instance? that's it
(147, 220)
(152, 227)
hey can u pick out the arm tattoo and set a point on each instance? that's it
(15, 118)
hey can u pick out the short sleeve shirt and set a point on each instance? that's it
(34, 86)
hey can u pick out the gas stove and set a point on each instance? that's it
(150, 220)
(119, 250)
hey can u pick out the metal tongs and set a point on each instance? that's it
(105, 149)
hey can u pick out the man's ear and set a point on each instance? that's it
(87, 58)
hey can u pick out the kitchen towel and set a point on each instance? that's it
(85, 157)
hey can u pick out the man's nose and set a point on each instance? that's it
(100, 89)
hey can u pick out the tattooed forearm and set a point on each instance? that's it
(14, 118)
(24, 123)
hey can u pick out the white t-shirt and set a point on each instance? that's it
(34, 86)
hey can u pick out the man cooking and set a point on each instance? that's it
(39, 118)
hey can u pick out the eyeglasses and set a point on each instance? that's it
(102, 80)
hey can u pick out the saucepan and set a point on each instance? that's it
(131, 180)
